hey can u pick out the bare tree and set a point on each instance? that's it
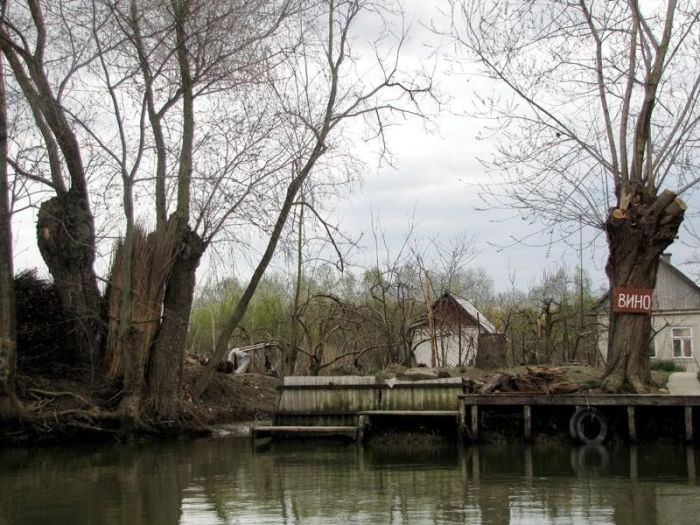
(66, 230)
(198, 72)
(8, 327)
(597, 117)
(323, 92)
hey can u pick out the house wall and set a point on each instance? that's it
(448, 347)
(674, 291)
(662, 324)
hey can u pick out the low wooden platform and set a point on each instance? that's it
(522, 398)
(306, 432)
(410, 413)
(472, 402)
(347, 406)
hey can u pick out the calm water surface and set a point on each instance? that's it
(222, 481)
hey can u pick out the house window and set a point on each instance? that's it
(652, 348)
(682, 341)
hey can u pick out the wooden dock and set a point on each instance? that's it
(347, 406)
(350, 406)
(530, 403)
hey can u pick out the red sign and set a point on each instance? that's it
(632, 300)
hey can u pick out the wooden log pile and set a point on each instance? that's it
(538, 379)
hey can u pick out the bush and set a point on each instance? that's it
(43, 340)
(666, 365)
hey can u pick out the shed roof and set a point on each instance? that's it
(469, 309)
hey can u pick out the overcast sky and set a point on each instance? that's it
(435, 181)
(438, 174)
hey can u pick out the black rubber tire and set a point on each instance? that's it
(578, 430)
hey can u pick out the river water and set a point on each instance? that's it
(223, 481)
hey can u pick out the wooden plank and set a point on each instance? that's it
(631, 423)
(527, 422)
(266, 431)
(521, 398)
(382, 386)
(308, 429)
(328, 380)
(689, 423)
(418, 413)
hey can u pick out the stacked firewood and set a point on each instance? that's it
(537, 379)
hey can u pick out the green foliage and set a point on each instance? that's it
(370, 318)
(666, 365)
(266, 319)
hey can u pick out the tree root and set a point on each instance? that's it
(616, 382)
(47, 393)
(612, 382)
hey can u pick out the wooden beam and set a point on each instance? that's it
(536, 398)
(527, 422)
(416, 413)
(268, 431)
(631, 423)
(445, 383)
(689, 423)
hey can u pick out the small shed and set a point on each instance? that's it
(457, 327)
(675, 318)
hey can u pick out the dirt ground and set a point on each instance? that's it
(231, 398)
(59, 409)
(72, 407)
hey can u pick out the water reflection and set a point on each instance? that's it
(224, 481)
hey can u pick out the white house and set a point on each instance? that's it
(458, 325)
(675, 318)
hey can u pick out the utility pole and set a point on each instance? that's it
(431, 320)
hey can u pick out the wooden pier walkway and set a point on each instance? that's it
(349, 406)
(528, 402)
(346, 406)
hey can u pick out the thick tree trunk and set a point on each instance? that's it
(637, 237)
(66, 239)
(8, 333)
(167, 357)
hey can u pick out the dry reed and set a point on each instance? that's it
(153, 256)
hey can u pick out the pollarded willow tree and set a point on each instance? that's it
(597, 114)
(204, 118)
(158, 111)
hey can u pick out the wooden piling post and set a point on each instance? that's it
(689, 423)
(362, 425)
(690, 462)
(462, 422)
(527, 422)
(631, 424)
(475, 422)
(634, 463)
